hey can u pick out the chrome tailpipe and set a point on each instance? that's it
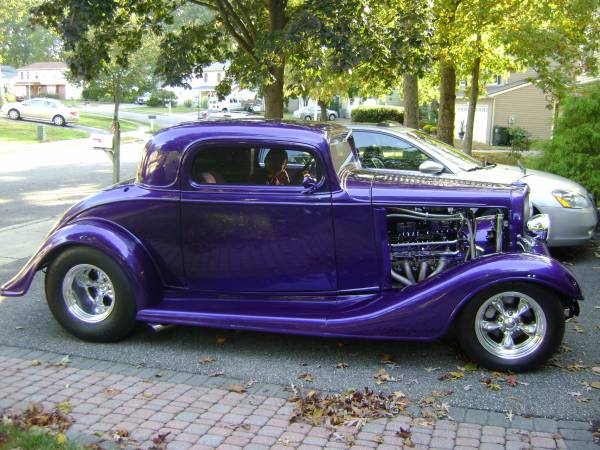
(158, 327)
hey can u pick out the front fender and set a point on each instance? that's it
(102, 235)
(425, 311)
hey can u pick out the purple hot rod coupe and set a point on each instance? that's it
(275, 226)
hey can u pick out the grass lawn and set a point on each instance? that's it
(162, 109)
(105, 122)
(505, 158)
(26, 132)
(12, 437)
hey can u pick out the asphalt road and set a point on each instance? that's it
(39, 182)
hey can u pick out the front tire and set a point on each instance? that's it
(90, 295)
(332, 117)
(58, 120)
(513, 326)
(14, 114)
(307, 117)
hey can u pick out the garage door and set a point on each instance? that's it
(480, 131)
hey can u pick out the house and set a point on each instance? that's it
(513, 101)
(204, 87)
(45, 78)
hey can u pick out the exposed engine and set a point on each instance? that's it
(425, 241)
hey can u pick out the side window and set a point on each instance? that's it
(254, 166)
(36, 103)
(381, 151)
(49, 104)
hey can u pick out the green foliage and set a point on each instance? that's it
(9, 97)
(376, 114)
(574, 151)
(188, 103)
(161, 97)
(20, 44)
(520, 140)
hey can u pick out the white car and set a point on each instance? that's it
(572, 210)
(307, 113)
(47, 109)
(143, 99)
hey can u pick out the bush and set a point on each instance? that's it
(520, 140)
(161, 97)
(188, 103)
(573, 150)
(9, 97)
(433, 129)
(426, 128)
(376, 114)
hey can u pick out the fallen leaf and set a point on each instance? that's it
(238, 388)
(61, 439)
(339, 344)
(576, 367)
(251, 382)
(64, 362)
(431, 369)
(206, 360)
(383, 377)
(578, 329)
(64, 407)
(595, 384)
(19, 328)
(109, 392)
(221, 340)
(36, 362)
(452, 376)
(378, 438)
(216, 374)
(148, 394)
(467, 387)
(469, 367)
(596, 370)
(341, 365)
(509, 415)
(160, 441)
(306, 377)
(511, 380)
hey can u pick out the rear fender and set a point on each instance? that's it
(426, 310)
(102, 235)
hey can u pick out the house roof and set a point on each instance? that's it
(47, 65)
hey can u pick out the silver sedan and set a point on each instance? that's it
(572, 210)
(46, 109)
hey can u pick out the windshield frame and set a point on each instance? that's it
(351, 158)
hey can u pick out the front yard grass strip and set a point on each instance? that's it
(26, 132)
(13, 437)
(105, 122)
(161, 109)
(505, 158)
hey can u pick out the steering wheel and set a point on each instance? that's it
(310, 166)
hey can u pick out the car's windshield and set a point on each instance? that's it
(343, 152)
(450, 155)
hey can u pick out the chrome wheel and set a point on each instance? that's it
(58, 121)
(13, 114)
(88, 293)
(510, 325)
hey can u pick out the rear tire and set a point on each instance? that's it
(58, 120)
(332, 117)
(14, 114)
(307, 117)
(512, 326)
(90, 295)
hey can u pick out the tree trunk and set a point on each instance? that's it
(473, 97)
(411, 100)
(274, 95)
(116, 128)
(445, 127)
(323, 106)
(274, 91)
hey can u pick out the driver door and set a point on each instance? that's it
(241, 235)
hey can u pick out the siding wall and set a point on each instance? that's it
(527, 106)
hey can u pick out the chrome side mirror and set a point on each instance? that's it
(538, 226)
(431, 167)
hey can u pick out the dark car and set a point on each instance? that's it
(275, 226)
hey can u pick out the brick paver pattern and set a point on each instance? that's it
(199, 417)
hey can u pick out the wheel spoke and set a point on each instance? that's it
(522, 308)
(507, 341)
(490, 326)
(498, 304)
(528, 329)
